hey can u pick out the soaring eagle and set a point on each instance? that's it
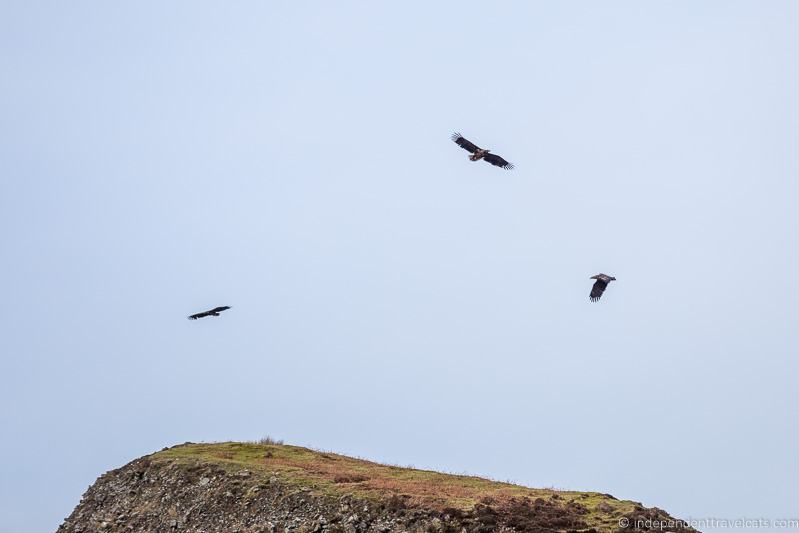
(479, 153)
(212, 312)
(599, 287)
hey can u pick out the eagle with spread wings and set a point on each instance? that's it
(480, 153)
(211, 312)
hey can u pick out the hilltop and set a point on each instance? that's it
(271, 487)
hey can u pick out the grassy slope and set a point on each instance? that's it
(335, 475)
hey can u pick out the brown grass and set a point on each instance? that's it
(223, 455)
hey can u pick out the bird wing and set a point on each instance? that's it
(497, 161)
(220, 309)
(598, 289)
(198, 315)
(463, 143)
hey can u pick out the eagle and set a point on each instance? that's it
(211, 312)
(599, 287)
(480, 153)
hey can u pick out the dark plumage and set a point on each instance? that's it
(599, 287)
(480, 153)
(212, 312)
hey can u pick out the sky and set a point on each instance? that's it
(390, 298)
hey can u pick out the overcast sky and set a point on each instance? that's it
(391, 299)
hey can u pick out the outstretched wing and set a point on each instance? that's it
(497, 161)
(598, 289)
(463, 143)
(199, 315)
(220, 309)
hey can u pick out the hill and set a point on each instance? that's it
(270, 487)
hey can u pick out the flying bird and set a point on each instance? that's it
(479, 153)
(599, 287)
(211, 312)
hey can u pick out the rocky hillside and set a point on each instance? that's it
(249, 488)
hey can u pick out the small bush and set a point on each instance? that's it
(349, 478)
(269, 440)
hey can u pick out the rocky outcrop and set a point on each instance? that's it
(172, 494)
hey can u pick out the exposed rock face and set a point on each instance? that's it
(150, 496)
(156, 494)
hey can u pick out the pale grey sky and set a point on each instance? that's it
(391, 299)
